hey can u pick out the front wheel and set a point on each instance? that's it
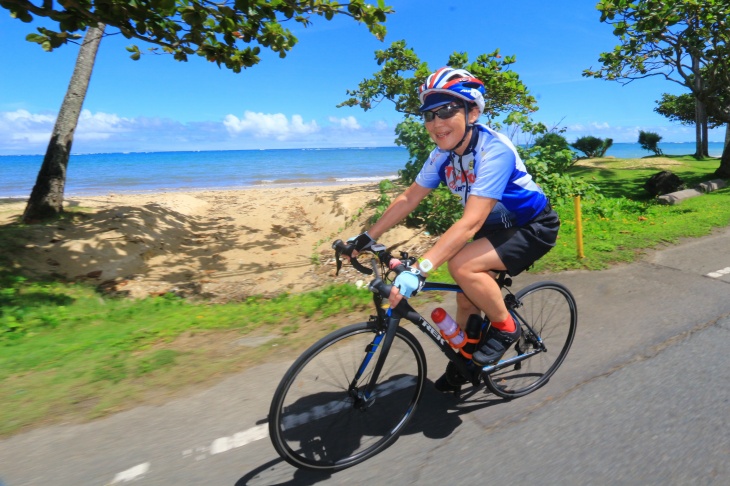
(320, 418)
(548, 315)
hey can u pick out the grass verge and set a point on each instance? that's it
(69, 354)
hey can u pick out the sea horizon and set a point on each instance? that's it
(173, 171)
(634, 147)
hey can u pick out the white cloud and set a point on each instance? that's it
(19, 128)
(100, 126)
(264, 125)
(349, 122)
(22, 132)
(24, 117)
(630, 134)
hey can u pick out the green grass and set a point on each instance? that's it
(629, 221)
(68, 353)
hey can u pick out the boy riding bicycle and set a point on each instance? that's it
(507, 223)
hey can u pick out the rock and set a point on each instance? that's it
(712, 185)
(678, 196)
(663, 182)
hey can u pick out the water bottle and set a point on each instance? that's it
(473, 334)
(449, 329)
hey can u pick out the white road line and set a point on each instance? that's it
(240, 439)
(320, 411)
(132, 473)
(719, 273)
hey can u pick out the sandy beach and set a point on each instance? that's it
(217, 245)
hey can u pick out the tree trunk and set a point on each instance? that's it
(724, 170)
(698, 129)
(46, 199)
(699, 108)
(705, 134)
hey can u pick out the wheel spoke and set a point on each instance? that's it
(549, 310)
(317, 423)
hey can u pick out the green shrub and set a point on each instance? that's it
(411, 133)
(386, 188)
(650, 141)
(552, 139)
(548, 167)
(548, 164)
(437, 212)
(592, 146)
(616, 207)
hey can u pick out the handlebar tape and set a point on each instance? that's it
(345, 249)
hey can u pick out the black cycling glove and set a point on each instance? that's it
(362, 242)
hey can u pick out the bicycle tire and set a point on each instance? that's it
(313, 421)
(550, 310)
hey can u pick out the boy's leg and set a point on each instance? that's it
(470, 269)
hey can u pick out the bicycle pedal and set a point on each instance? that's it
(447, 388)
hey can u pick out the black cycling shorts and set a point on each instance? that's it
(521, 246)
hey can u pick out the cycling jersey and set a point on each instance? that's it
(490, 167)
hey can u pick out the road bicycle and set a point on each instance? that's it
(352, 393)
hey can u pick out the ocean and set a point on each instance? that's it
(99, 174)
(634, 150)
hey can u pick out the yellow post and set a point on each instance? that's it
(578, 227)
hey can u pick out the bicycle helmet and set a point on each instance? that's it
(446, 83)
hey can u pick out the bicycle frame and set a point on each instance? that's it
(387, 321)
(312, 418)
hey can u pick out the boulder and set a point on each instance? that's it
(663, 182)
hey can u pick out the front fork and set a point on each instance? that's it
(363, 396)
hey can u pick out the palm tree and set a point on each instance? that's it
(46, 199)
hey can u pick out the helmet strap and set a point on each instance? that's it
(467, 126)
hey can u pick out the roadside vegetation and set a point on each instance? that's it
(69, 353)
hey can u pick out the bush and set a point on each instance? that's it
(387, 189)
(592, 146)
(411, 133)
(552, 139)
(548, 167)
(437, 212)
(650, 141)
(547, 161)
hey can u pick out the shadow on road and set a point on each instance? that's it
(433, 404)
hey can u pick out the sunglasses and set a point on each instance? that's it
(444, 112)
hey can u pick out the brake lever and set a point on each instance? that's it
(340, 248)
(339, 262)
(376, 249)
(360, 267)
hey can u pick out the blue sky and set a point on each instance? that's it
(158, 104)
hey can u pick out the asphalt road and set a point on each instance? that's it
(642, 398)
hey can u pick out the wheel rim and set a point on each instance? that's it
(551, 312)
(319, 424)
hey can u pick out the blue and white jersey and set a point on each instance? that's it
(490, 167)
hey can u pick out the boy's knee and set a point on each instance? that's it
(455, 268)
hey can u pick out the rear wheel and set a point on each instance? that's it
(549, 310)
(319, 418)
